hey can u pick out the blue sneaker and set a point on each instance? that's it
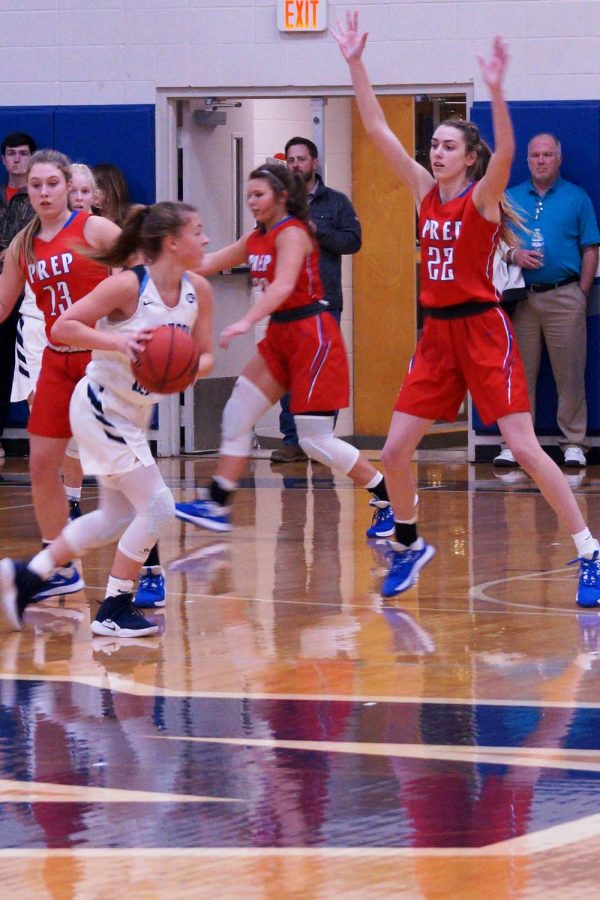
(74, 509)
(205, 513)
(588, 590)
(66, 580)
(118, 617)
(151, 589)
(382, 525)
(405, 565)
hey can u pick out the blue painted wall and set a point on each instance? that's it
(577, 126)
(123, 135)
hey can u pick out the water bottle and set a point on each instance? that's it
(537, 243)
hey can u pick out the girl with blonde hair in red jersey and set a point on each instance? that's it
(302, 352)
(47, 254)
(467, 341)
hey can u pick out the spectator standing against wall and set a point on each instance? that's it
(337, 231)
(15, 212)
(559, 279)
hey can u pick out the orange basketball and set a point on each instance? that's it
(169, 361)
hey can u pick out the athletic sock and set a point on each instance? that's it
(406, 533)
(220, 490)
(376, 486)
(153, 558)
(42, 564)
(72, 493)
(586, 544)
(115, 586)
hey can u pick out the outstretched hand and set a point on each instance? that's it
(493, 70)
(350, 44)
(242, 326)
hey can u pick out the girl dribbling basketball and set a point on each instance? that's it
(110, 410)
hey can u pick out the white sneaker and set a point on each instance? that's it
(574, 458)
(505, 459)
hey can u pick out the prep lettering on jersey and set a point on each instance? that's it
(440, 260)
(260, 262)
(43, 269)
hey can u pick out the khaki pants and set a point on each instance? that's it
(560, 316)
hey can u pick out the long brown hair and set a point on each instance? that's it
(144, 231)
(111, 181)
(281, 179)
(22, 243)
(475, 143)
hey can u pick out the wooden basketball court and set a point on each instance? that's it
(289, 735)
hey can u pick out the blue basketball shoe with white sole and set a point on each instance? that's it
(405, 565)
(382, 525)
(151, 592)
(588, 589)
(205, 513)
(66, 580)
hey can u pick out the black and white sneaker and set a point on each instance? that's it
(118, 617)
(18, 585)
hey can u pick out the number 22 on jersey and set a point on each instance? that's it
(440, 263)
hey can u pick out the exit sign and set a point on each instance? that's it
(301, 15)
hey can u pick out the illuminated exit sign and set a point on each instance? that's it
(301, 15)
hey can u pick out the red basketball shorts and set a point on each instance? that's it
(477, 353)
(308, 359)
(59, 374)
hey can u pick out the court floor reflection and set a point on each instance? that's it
(284, 708)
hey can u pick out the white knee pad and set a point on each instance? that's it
(143, 532)
(242, 411)
(316, 437)
(96, 529)
(72, 449)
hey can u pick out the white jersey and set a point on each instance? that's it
(111, 369)
(109, 410)
(29, 306)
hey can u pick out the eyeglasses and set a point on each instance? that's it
(539, 209)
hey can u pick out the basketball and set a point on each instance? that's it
(168, 363)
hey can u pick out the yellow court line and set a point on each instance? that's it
(126, 686)
(48, 792)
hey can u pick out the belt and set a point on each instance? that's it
(542, 286)
(459, 310)
(299, 312)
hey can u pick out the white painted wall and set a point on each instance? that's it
(121, 51)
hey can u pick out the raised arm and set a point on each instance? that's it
(351, 45)
(488, 192)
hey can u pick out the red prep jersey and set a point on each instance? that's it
(62, 275)
(261, 257)
(457, 251)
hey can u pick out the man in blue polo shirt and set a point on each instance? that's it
(558, 280)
